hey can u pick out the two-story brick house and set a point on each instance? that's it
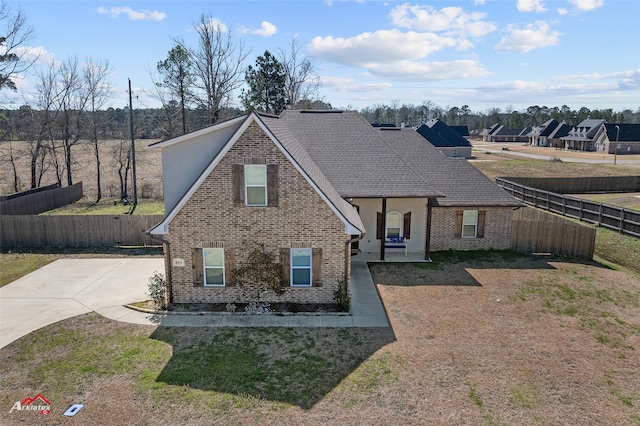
(307, 185)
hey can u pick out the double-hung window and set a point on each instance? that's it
(301, 267)
(213, 266)
(255, 184)
(469, 223)
(394, 224)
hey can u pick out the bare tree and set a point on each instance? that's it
(15, 31)
(94, 77)
(218, 65)
(40, 131)
(301, 82)
(73, 102)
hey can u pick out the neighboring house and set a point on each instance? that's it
(500, 133)
(582, 137)
(618, 139)
(450, 142)
(462, 130)
(307, 185)
(548, 134)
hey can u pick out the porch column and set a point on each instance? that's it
(427, 236)
(383, 235)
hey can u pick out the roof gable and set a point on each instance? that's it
(346, 212)
(447, 132)
(433, 137)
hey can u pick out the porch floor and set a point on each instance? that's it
(392, 256)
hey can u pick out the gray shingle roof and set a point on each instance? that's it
(447, 132)
(363, 161)
(353, 156)
(462, 184)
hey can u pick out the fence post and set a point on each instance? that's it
(622, 221)
(580, 211)
(600, 215)
(564, 204)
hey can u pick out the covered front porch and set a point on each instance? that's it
(402, 228)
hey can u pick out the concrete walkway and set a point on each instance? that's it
(70, 287)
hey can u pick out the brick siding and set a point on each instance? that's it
(301, 218)
(497, 231)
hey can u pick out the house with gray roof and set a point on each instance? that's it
(618, 139)
(449, 141)
(500, 133)
(548, 134)
(582, 137)
(314, 188)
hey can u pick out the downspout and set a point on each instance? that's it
(167, 262)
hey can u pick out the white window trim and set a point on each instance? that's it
(205, 267)
(475, 224)
(309, 268)
(246, 186)
(401, 224)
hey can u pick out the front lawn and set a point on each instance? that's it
(483, 339)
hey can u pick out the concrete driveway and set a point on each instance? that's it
(70, 287)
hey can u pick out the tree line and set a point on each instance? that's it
(195, 86)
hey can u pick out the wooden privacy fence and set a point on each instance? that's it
(76, 231)
(625, 221)
(580, 185)
(535, 231)
(40, 200)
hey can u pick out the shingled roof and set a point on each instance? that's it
(353, 156)
(628, 132)
(462, 184)
(448, 133)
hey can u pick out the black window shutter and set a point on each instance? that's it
(229, 266)
(285, 261)
(379, 230)
(316, 268)
(459, 214)
(237, 178)
(406, 228)
(272, 185)
(481, 219)
(196, 267)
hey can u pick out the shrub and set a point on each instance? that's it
(342, 297)
(158, 290)
(261, 271)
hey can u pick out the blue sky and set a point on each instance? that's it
(482, 53)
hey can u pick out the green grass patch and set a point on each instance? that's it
(545, 168)
(16, 265)
(526, 395)
(109, 207)
(216, 369)
(623, 250)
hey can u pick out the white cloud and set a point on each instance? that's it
(531, 6)
(534, 36)
(35, 55)
(429, 71)
(450, 20)
(350, 85)
(562, 11)
(215, 25)
(380, 46)
(478, 2)
(141, 15)
(267, 29)
(586, 5)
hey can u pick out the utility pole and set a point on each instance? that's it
(132, 152)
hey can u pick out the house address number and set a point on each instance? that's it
(179, 263)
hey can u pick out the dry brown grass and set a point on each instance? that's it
(148, 169)
(508, 340)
